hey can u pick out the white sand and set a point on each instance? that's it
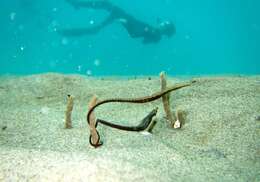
(218, 142)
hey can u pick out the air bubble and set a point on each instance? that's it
(96, 62)
(89, 72)
(12, 16)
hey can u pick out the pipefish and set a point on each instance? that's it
(146, 121)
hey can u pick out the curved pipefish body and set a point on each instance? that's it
(145, 99)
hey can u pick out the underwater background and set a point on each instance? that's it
(212, 37)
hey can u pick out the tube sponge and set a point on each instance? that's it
(70, 102)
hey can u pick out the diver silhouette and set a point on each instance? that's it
(134, 27)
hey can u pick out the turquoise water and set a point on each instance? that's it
(212, 37)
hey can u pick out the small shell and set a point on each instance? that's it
(177, 124)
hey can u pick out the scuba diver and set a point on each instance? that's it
(134, 27)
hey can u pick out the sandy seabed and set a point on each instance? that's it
(219, 141)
